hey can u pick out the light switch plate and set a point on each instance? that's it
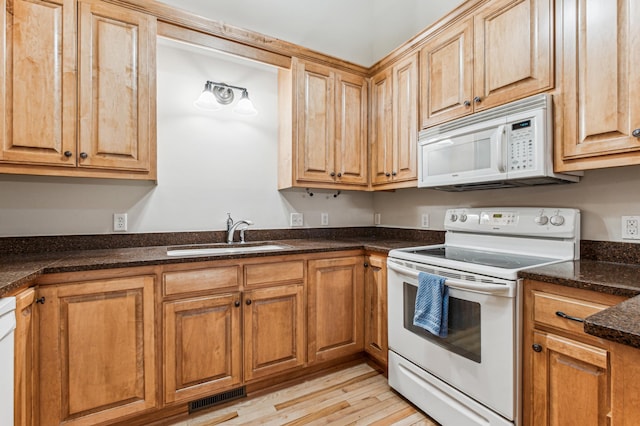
(376, 219)
(296, 220)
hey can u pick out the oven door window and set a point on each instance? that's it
(464, 336)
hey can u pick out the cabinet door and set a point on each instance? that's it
(571, 384)
(335, 308)
(316, 123)
(381, 127)
(405, 119)
(375, 308)
(202, 346)
(96, 351)
(117, 83)
(38, 101)
(598, 107)
(273, 330)
(513, 51)
(446, 74)
(24, 389)
(351, 129)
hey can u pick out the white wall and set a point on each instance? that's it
(602, 196)
(208, 164)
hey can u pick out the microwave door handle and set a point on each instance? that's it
(499, 152)
(457, 284)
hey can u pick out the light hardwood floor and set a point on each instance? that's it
(358, 395)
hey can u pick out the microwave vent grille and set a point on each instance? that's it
(535, 102)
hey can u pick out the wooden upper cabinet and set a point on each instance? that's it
(323, 127)
(96, 350)
(501, 53)
(38, 82)
(513, 51)
(446, 63)
(597, 105)
(117, 56)
(381, 131)
(78, 89)
(351, 129)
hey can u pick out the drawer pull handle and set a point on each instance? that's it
(569, 317)
(537, 348)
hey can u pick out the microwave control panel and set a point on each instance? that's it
(521, 153)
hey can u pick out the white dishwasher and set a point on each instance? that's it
(7, 327)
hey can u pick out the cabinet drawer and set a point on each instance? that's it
(273, 273)
(201, 279)
(548, 310)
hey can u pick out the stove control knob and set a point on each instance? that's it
(453, 217)
(557, 220)
(463, 217)
(541, 220)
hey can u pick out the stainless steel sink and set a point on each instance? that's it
(222, 249)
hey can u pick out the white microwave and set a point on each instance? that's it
(507, 146)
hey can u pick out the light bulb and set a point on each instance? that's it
(245, 106)
(206, 100)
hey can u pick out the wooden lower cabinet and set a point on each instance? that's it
(202, 346)
(375, 308)
(567, 374)
(335, 307)
(274, 332)
(25, 344)
(96, 350)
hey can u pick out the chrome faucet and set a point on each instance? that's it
(235, 226)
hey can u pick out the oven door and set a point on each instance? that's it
(479, 356)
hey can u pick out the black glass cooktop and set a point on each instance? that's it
(488, 258)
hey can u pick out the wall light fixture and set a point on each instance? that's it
(215, 95)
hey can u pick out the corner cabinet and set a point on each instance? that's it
(323, 128)
(567, 374)
(375, 308)
(394, 126)
(97, 359)
(597, 110)
(335, 308)
(502, 53)
(84, 71)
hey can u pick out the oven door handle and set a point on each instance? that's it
(458, 284)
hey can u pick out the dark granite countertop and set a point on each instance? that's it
(620, 323)
(17, 271)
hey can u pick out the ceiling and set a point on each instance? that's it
(359, 31)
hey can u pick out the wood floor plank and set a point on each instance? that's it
(358, 395)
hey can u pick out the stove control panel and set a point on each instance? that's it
(530, 221)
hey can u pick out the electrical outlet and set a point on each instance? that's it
(119, 222)
(324, 219)
(425, 220)
(296, 219)
(631, 227)
(376, 219)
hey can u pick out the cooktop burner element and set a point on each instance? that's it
(478, 257)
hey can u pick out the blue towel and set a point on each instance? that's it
(432, 304)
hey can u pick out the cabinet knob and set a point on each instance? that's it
(477, 99)
(366, 265)
(394, 174)
(41, 300)
(68, 154)
(387, 174)
(236, 303)
(467, 103)
(332, 174)
(83, 155)
(636, 133)
(248, 302)
(339, 174)
(537, 348)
